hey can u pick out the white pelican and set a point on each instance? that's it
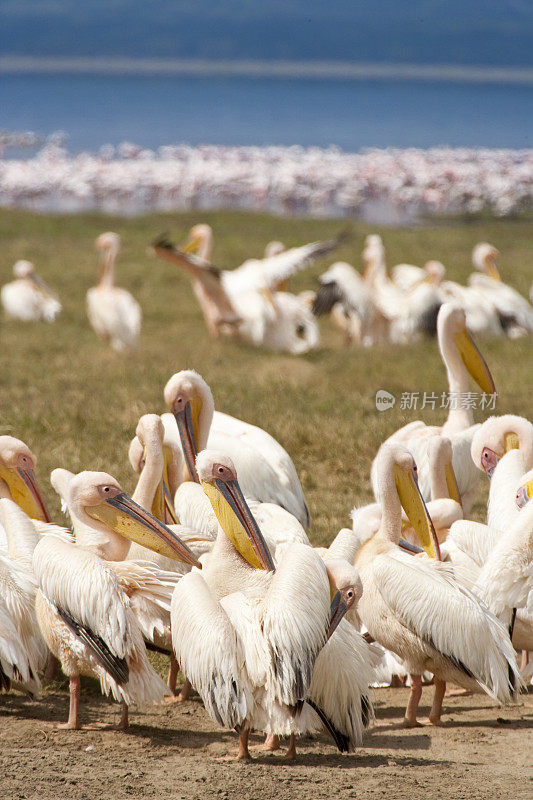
(415, 608)
(245, 301)
(83, 603)
(28, 298)
(22, 649)
(345, 294)
(268, 474)
(515, 312)
(249, 640)
(113, 313)
(461, 358)
(407, 276)
(17, 478)
(410, 313)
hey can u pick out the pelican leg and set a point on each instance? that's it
(185, 691)
(271, 742)
(52, 664)
(124, 717)
(438, 697)
(525, 660)
(172, 674)
(243, 753)
(73, 722)
(410, 720)
(290, 755)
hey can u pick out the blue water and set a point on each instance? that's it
(152, 111)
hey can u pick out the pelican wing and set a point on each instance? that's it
(209, 276)
(267, 273)
(87, 590)
(293, 617)
(210, 651)
(425, 598)
(22, 650)
(474, 539)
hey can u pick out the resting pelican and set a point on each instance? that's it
(22, 649)
(268, 474)
(83, 606)
(245, 301)
(503, 448)
(250, 640)
(407, 276)
(28, 298)
(412, 606)
(461, 358)
(516, 314)
(17, 478)
(113, 313)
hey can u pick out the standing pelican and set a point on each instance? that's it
(249, 640)
(461, 358)
(83, 607)
(268, 473)
(28, 298)
(412, 606)
(113, 313)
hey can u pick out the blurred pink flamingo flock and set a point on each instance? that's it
(387, 186)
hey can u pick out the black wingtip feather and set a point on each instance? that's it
(326, 297)
(341, 740)
(115, 666)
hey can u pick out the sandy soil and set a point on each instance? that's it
(481, 752)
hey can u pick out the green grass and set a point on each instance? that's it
(76, 402)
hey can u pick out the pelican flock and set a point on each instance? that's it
(211, 560)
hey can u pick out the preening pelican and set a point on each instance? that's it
(83, 605)
(17, 478)
(28, 298)
(268, 474)
(515, 312)
(461, 358)
(113, 313)
(249, 640)
(415, 608)
(246, 301)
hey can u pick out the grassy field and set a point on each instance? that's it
(76, 402)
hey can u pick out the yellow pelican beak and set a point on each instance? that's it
(188, 428)
(512, 442)
(238, 523)
(451, 483)
(191, 245)
(524, 494)
(25, 492)
(493, 271)
(127, 518)
(415, 508)
(474, 362)
(169, 512)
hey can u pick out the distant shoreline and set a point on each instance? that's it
(297, 70)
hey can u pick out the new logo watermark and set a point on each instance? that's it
(384, 400)
(410, 401)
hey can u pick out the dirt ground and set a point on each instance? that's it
(481, 752)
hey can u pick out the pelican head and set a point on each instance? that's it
(484, 256)
(17, 471)
(150, 437)
(455, 339)
(274, 249)
(200, 240)
(397, 473)
(346, 589)
(219, 481)
(189, 398)
(525, 491)
(109, 242)
(498, 435)
(435, 272)
(23, 269)
(99, 501)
